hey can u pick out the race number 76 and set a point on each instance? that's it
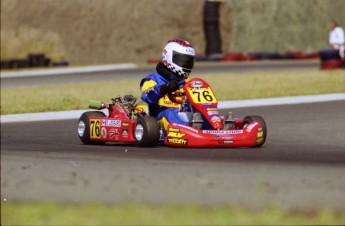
(95, 128)
(203, 96)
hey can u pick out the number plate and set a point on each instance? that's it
(95, 128)
(202, 95)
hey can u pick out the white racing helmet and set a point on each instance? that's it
(179, 56)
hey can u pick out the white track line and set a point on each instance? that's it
(61, 115)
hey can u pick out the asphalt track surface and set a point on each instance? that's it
(301, 165)
(141, 72)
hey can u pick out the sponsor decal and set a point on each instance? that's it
(223, 136)
(259, 140)
(190, 51)
(228, 141)
(165, 101)
(114, 133)
(226, 137)
(225, 142)
(125, 133)
(109, 122)
(260, 134)
(104, 132)
(219, 132)
(178, 141)
(168, 102)
(215, 118)
(212, 112)
(175, 134)
(207, 106)
(250, 127)
(197, 84)
(174, 129)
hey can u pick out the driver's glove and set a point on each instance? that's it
(169, 87)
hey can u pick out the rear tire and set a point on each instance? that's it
(146, 131)
(259, 119)
(84, 126)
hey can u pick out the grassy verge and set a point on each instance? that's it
(229, 86)
(134, 214)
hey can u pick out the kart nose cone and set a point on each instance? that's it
(139, 132)
(81, 128)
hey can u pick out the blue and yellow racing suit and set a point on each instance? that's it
(160, 105)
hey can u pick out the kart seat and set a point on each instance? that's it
(152, 110)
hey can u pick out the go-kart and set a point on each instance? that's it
(130, 122)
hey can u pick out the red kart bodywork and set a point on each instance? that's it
(128, 123)
(112, 130)
(185, 136)
(203, 100)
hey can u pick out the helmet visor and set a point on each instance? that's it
(183, 60)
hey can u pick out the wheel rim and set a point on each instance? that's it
(81, 128)
(139, 132)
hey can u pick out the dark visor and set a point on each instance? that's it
(183, 60)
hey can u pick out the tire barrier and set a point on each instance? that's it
(331, 59)
(329, 54)
(38, 60)
(332, 64)
(211, 28)
(32, 61)
(238, 56)
(60, 64)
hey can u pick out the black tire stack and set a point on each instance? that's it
(33, 60)
(211, 28)
(331, 59)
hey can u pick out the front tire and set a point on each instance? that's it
(84, 126)
(259, 119)
(146, 131)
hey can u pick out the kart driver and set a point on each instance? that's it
(178, 58)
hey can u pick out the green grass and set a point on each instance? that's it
(229, 86)
(137, 214)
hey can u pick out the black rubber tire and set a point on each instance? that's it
(329, 54)
(85, 118)
(151, 134)
(259, 119)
